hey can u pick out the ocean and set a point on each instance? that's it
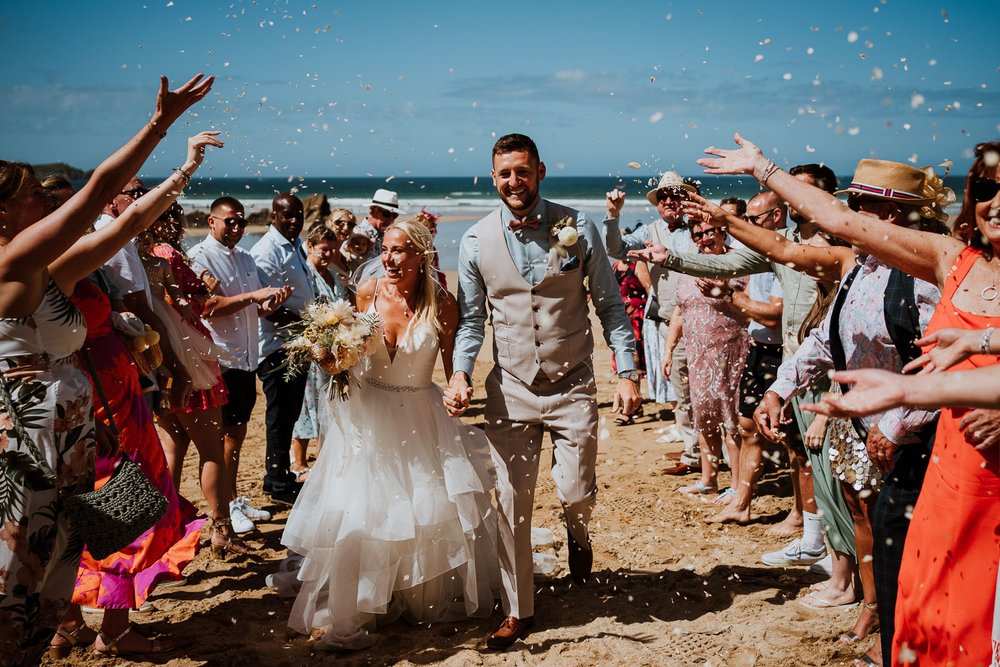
(463, 200)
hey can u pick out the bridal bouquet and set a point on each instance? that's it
(335, 336)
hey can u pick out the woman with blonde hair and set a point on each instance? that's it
(395, 517)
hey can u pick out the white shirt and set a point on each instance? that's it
(236, 271)
(125, 269)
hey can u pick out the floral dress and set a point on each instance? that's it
(307, 426)
(51, 398)
(196, 292)
(124, 579)
(717, 347)
(634, 297)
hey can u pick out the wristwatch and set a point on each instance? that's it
(634, 376)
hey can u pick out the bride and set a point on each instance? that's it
(395, 518)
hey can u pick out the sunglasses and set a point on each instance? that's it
(755, 219)
(708, 232)
(230, 222)
(983, 189)
(670, 195)
(349, 224)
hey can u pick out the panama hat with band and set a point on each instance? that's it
(670, 180)
(387, 200)
(888, 181)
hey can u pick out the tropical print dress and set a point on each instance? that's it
(50, 397)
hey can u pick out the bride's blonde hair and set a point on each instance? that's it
(426, 308)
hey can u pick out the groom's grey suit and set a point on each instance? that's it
(543, 378)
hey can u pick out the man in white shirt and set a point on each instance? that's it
(231, 316)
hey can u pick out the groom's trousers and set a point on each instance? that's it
(517, 416)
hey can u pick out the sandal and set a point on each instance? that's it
(222, 542)
(817, 601)
(851, 637)
(301, 475)
(724, 496)
(73, 639)
(111, 647)
(698, 489)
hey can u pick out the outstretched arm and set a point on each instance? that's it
(827, 263)
(874, 390)
(93, 250)
(43, 242)
(921, 254)
(739, 262)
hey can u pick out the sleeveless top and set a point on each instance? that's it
(56, 328)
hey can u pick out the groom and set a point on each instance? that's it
(533, 285)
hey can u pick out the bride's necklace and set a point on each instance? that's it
(407, 311)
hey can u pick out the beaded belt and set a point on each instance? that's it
(384, 386)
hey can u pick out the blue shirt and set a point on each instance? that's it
(281, 263)
(529, 248)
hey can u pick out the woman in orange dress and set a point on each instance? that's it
(947, 592)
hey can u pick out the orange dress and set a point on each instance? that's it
(947, 582)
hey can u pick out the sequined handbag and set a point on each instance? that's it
(849, 458)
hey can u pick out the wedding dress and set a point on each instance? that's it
(395, 517)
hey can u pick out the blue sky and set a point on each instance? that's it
(406, 88)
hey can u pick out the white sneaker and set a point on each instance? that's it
(241, 523)
(824, 566)
(251, 512)
(794, 554)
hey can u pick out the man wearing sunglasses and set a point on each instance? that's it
(232, 316)
(671, 231)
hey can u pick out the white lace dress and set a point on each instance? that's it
(395, 517)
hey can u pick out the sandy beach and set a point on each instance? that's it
(668, 589)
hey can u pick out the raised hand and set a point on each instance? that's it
(874, 390)
(699, 209)
(951, 346)
(654, 253)
(197, 145)
(737, 161)
(615, 202)
(170, 104)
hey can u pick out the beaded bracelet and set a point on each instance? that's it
(984, 344)
(186, 177)
(768, 172)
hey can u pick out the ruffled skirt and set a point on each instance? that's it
(395, 517)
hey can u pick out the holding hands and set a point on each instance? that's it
(458, 395)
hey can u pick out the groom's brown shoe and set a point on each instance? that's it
(581, 560)
(510, 630)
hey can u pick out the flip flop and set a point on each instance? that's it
(818, 602)
(698, 489)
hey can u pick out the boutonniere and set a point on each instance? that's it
(565, 233)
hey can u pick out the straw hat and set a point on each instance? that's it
(670, 180)
(386, 199)
(889, 181)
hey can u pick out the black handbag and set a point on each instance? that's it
(112, 517)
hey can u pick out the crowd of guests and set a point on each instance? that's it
(740, 312)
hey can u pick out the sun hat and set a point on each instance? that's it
(386, 199)
(670, 180)
(889, 181)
